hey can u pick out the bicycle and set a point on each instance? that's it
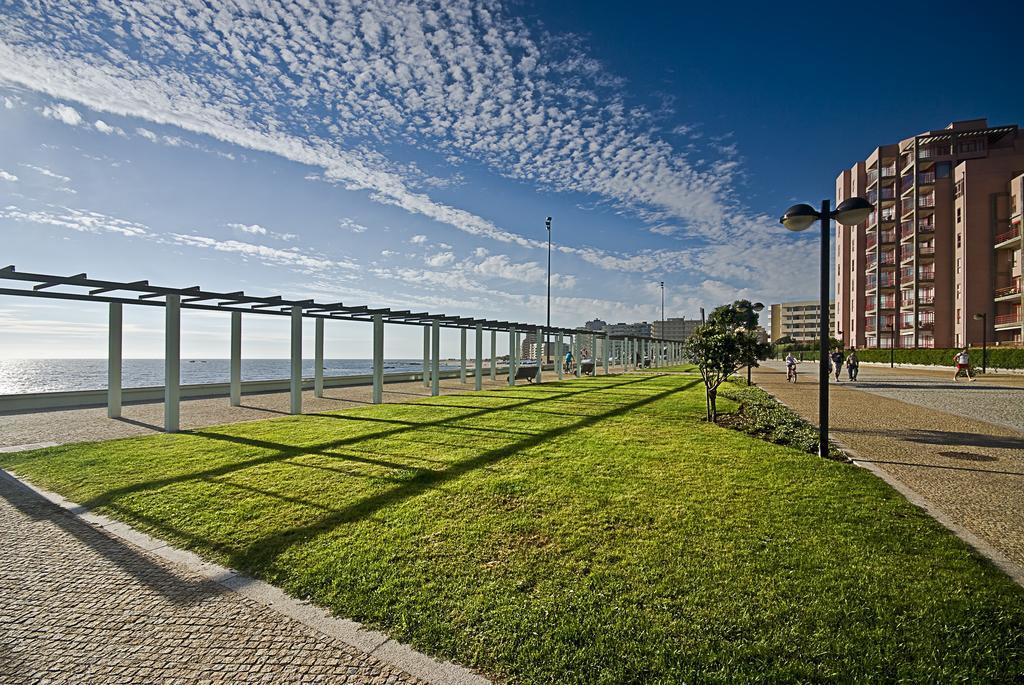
(791, 374)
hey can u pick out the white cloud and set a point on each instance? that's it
(256, 229)
(250, 228)
(76, 220)
(46, 172)
(350, 225)
(418, 239)
(271, 255)
(107, 129)
(7, 176)
(440, 259)
(147, 134)
(65, 113)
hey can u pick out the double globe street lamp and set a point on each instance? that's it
(850, 212)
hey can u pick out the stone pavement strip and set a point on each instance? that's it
(954, 446)
(86, 600)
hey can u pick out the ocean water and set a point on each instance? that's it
(50, 375)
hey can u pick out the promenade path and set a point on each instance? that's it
(960, 446)
(89, 424)
(78, 605)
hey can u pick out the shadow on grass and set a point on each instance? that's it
(272, 545)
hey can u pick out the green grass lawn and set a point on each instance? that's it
(590, 531)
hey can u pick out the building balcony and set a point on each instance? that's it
(1010, 291)
(872, 176)
(927, 325)
(889, 171)
(870, 242)
(926, 275)
(888, 237)
(926, 177)
(926, 201)
(926, 300)
(926, 250)
(888, 216)
(1014, 319)
(1010, 238)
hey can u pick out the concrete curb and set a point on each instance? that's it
(352, 633)
(1001, 561)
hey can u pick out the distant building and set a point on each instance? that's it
(596, 325)
(675, 329)
(530, 347)
(800, 321)
(636, 330)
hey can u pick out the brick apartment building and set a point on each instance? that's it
(942, 245)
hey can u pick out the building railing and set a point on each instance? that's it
(926, 226)
(926, 200)
(926, 177)
(886, 282)
(926, 249)
(887, 194)
(870, 242)
(925, 300)
(926, 275)
(889, 171)
(1004, 319)
(889, 214)
(888, 237)
(906, 229)
(1013, 289)
(1008, 235)
(906, 182)
(872, 176)
(907, 273)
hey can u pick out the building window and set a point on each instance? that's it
(959, 237)
(958, 214)
(958, 263)
(958, 291)
(942, 170)
(958, 316)
(958, 340)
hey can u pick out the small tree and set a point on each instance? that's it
(738, 314)
(719, 352)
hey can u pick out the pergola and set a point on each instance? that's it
(116, 294)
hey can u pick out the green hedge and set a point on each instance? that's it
(998, 357)
(762, 416)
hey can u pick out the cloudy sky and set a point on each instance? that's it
(406, 154)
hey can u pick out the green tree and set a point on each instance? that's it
(738, 314)
(719, 352)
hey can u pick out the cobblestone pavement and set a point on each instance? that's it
(80, 425)
(79, 606)
(952, 445)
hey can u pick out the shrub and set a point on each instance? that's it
(764, 417)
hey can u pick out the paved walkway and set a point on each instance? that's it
(959, 446)
(80, 606)
(80, 425)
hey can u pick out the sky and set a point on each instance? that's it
(406, 154)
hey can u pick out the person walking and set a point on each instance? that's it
(963, 363)
(852, 364)
(567, 366)
(837, 362)
(791, 368)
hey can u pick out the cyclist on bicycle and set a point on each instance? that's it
(791, 363)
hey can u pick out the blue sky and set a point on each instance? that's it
(406, 154)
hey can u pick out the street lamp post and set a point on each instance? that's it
(983, 318)
(547, 352)
(850, 212)
(662, 336)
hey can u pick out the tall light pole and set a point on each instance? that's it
(662, 336)
(546, 353)
(757, 307)
(983, 318)
(850, 212)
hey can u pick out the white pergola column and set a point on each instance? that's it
(577, 342)
(478, 361)
(511, 357)
(296, 361)
(494, 356)
(559, 357)
(540, 355)
(462, 352)
(435, 360)
(426, 356)
(172, 363)
(318, 358)
(378, 358)
(114, 361)
(235, 372)
(606, 347)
